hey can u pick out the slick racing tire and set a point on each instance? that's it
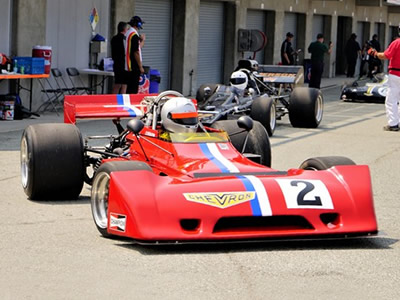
(200, 94)
(52, 166)
(263, 110)
(305, 107)
(257, 143)
(324, 163)
(100, 190)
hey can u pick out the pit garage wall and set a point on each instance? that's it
(5, 36)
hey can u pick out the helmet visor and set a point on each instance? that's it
(238, 80)
(185, 118)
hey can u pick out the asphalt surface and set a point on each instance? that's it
(52, 250)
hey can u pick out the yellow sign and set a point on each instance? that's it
(220, 200)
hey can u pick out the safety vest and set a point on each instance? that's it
(128, 44)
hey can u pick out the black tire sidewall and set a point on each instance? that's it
(56, 167)
(261, 112)
(302, 106)
(325, 162)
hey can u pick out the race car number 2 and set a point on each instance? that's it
(305, 194)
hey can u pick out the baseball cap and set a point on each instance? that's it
(136, 21)
(320, 36)
(289, 34)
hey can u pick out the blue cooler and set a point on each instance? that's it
(155, 79)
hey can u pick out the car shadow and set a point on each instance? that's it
(80, 200)
(378, 243)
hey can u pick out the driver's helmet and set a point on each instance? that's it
(179, 115)
(239, 80)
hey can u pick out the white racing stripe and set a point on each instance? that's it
(262, 195)
(218, 156)
(127, 103)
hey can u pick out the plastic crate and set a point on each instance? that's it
(32, 65)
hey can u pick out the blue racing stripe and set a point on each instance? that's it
(120, 101)
(255, 206)
(208, 154)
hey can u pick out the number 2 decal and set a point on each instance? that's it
(305, 194)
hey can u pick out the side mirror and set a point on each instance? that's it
(135, 125)
(245, 122)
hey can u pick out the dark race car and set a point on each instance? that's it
(166, 178)
(265, 93)
(374, 91)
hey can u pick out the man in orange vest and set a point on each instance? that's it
(133, 55)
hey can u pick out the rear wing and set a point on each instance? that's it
(103, 106)
(281, 74)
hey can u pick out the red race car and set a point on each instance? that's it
(166, 178)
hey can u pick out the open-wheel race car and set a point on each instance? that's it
(265, 93)
(166, 178)
(374, 91)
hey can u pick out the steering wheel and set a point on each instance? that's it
(167, 93)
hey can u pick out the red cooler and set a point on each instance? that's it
(45, 52)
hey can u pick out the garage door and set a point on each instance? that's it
(290, 26)
(157, 15)
(211, 43)
(256, 20)
(318, 26)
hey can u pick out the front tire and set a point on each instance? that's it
(324, 163)
(305, 107)
(52, 164)
(200, 94)
(100, 190)
(263, 110)
(257, 143)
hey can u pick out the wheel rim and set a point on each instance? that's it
(319, 109)
(100, 199)
(24, 163)
(272, 122)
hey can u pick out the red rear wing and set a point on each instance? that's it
(102, 106)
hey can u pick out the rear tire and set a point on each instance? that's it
(52, 161)
(257, 143)
(100, 190)
(263, 110)
(306, 107)
(200, 95)
(324, 163)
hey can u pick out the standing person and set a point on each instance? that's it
(352, 51)
(374, 63)
(133, 55)
(364, 60)
(393, 93)
(118, 56)
(317, 50)
(287, 52)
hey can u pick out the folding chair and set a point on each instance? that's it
(54, 96)
(75, 76)
(60, 82)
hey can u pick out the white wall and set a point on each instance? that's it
(68, 30)
(5, 38)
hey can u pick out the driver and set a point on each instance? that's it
(179, 115)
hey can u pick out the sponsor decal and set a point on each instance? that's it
(117, 222)
(223, 146)
(220, 200)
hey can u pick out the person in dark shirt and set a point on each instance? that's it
(118, 56)
(374, 63)
(318, 50)
(287, 52)
(352, 51)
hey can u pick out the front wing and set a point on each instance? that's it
(151, 208)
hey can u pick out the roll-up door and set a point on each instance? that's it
(256, 20)
(291, 26)
(318, 26)
(156, 53)
(211, 43)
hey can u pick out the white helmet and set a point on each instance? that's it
(179, 114)
(239, 80)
